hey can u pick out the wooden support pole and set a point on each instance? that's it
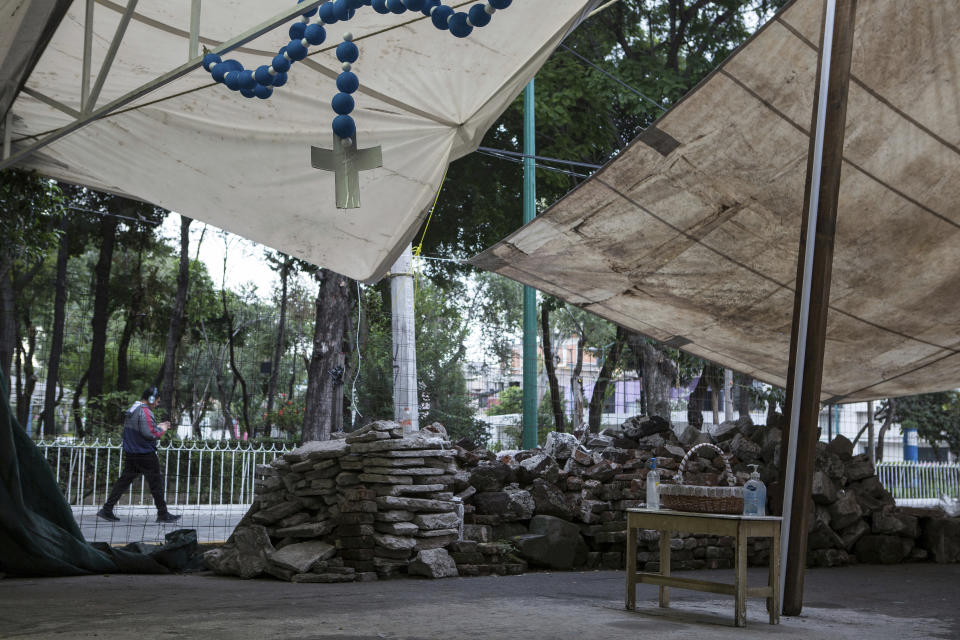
(808, 335)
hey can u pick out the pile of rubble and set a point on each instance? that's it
(373, 504)
(378, 504)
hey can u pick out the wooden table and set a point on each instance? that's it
(738, 527)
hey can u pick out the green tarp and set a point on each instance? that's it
(38, 533)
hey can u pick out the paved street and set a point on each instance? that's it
(914, 601)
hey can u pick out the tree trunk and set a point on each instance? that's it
(78, 427)
(101, 313)
(550, 365)
(744, 384)
(56, 340)
(658, 375)
(281, 326)
(123, 348)
(887, 421)
(610, 364)
(715, 403)
(577, 381)
(695, 402)
(224, 397)
(237, 376)
(169, 368)
(322, 408)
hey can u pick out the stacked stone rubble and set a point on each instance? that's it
(591, 480)
(371, 504)
(378, 504)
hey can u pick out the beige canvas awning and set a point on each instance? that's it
(691, 234)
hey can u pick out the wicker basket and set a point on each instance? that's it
(700, 499)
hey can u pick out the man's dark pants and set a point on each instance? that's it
(133, 465)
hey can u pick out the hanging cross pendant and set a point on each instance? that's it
(346, 161)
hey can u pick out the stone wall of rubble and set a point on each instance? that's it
(564, 506)
(374, 504)
(377, 504)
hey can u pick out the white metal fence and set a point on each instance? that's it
(920, 482)
(209, 484)
(196, 472)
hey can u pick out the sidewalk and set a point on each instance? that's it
(213, 523)
(864, 602)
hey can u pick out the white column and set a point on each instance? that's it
(728, 395)
(404, 343)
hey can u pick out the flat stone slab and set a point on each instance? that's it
(393, 462)
(395, 543)
(385, 479)
(417, 453)
(410, 471)
(397, 528)
(401, 444)
(318, 449)
(415, 504)
(301, 556)
(306, 530)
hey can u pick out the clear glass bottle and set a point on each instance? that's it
(653, 486)
(754, 494)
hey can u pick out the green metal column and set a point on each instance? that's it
(529, 439)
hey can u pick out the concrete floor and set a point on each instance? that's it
(864, 602)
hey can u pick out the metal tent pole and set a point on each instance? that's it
(529, 432)
(811, 302)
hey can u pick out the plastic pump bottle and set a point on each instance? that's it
(653, 486)
(754, 495)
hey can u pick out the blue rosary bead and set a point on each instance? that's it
(414, 5)
(380, 6)
(231, 80)
(396, 6)
(315, 34)
(459, 25)
(262, 75)
(344, 126)
(327, 13)
(356, 4)
(296, 30)
(279, 79)
(219, 71)
(440, 16)
(296, 50)
(246, 93)
(279, 63)
(347, 52)
(428, 7)
(342, 103)
(479, 16)
(348, 82)
(500, 4)
(262, 91)
(341, 9)
(210, 58)
(246, 80)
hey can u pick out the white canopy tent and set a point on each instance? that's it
(148, 122)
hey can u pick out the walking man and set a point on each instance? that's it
(140, 436)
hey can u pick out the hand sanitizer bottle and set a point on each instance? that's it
(653, 486)
(754, 495)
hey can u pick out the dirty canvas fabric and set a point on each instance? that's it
(691, 234)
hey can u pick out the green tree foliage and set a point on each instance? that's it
(936, 417)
